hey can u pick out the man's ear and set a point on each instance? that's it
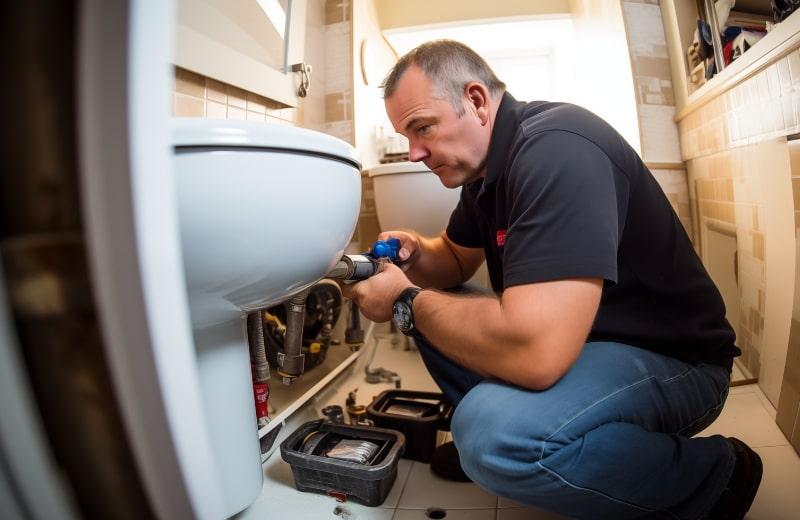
(478, 98)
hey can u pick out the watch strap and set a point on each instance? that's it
(407, 297)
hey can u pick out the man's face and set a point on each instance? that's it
(453, 147)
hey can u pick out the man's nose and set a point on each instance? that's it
(416, 152)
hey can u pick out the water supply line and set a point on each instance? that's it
(259, 367)
(258, 350)
(291, 359)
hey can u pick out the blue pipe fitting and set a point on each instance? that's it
(386, 249)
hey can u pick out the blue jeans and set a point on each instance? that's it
(611, 439)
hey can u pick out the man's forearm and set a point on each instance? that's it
(475, 333)
(436, 267)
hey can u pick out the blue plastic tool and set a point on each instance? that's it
(386, 249)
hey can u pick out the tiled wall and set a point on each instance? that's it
(339, 69)
(728, 193)
(788, 417)
(730, 183)
(199, 96)
(764, 107)
(655, 102)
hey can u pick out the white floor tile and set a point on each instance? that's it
(527, 513)
(768, 406)
(280, 498)
(746, 418)
(424, 489)
(503, 502)
(742, 389)
(452, 514)
(403, 470)
(778, 497)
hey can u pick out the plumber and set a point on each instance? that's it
(579, 384)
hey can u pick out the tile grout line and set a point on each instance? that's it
(405, 483)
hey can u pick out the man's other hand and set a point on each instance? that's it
(376, 295)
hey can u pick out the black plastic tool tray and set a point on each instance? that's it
(368, 483)
(420, 431)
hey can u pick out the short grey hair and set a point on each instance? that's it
(450, 65)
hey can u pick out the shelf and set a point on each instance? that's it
(680, 23)
(783, 39)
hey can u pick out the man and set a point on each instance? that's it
(578, 387)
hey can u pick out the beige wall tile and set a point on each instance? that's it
(236, 97)
(787, 410)
(188, 106)
(335, 107)
(256, 103)
(794, 67)
(368, 230)
(216, 110)
(337, 11)
(758, 246)
(189, 83)
(255, 116)
(215, 91)
(235, 113)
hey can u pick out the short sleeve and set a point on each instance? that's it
(564, 211)
(463, 228)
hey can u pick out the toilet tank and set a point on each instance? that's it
(410, 196)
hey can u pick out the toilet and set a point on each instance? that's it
(265, 211)
(410, 196)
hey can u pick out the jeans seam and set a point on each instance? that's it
(613, 394)
(585, 410)
(720, 404)
(604, 495)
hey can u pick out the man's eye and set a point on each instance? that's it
(424, 129)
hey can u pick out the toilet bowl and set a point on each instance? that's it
(410, 196)
(265, 211)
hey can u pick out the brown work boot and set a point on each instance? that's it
(741, 490)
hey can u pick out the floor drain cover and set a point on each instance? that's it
(435, 512)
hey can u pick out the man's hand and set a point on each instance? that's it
(376, 295)
(409, 246)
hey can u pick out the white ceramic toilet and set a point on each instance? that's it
(410, 196)
(265, 211)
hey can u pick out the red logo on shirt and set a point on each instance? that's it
(501, 237)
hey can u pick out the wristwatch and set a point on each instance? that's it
(403, 311)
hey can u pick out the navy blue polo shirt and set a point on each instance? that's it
(565, 196)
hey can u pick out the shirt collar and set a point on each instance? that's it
(506, 125)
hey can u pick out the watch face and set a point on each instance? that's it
(402, 316)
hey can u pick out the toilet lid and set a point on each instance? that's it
(217, 133)
(398, 167)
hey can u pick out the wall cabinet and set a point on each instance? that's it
(249, 44)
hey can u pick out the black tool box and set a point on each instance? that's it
(418, 415)
(309, 451)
